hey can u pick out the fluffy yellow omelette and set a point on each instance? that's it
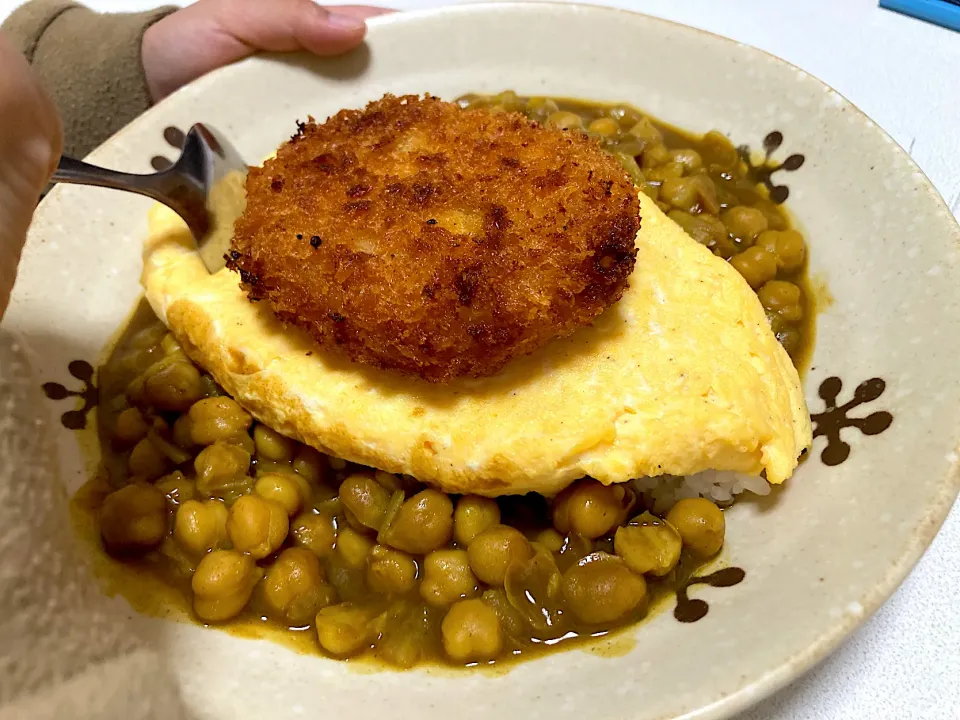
(682, 375)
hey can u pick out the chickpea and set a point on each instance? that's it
(783, 299)
(648, 545)
(243, 440)
(663, 173)
(336, 463)
(588, 508)
(646, 131)
(679, 192)
(173, 386)
(447, 577)
(169, 344)
(790, 338)
(550, 539)
(423, 523)
(343, 629)
(222, 584)
(492, 551)
(565, 121)
(390, 572)
(133, 519)
(718, 152)
(271, 445)
(601, 589)
(147, 461)
(704, 197)
(269, 467)
(310, 464)
(510, 101)
(131, 427)
(183, 433)
(744, 222)
(218, 418)
(221, 467)
(625, 115)
(288, 489)
(775, 220)
(257, 526)
(654, 156)
(316, 532)
(177, 487)
(366, 499)
(604, 126)
(787, 246)
(700, 524)
(471, 632)
(688, 157)
(541, 106)
(294, 587)
(201, 526)
(473, 515)
(756, 265)
(353, 547)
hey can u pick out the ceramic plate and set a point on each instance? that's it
(819, 556)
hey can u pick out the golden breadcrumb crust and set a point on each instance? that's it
(440, 242)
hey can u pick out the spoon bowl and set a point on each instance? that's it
(206, 160)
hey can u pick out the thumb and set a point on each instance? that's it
(212, 33)
(291, 25)
(30, 146)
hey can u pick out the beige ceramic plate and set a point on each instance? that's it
(819, 556)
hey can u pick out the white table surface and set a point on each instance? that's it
(905, 661)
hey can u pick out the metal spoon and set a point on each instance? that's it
(206, 161)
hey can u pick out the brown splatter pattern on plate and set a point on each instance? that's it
(835, 418)
(765, 170)
(88, 393)
(689, 610)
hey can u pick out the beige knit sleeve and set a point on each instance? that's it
(90, 64)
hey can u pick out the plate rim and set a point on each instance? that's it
(916, 540)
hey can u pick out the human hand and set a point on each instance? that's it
(213, 33)
(31, 140)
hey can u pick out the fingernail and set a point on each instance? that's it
(345, 22)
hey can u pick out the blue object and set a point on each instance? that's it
(945, 13)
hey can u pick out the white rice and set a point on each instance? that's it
(720, 486)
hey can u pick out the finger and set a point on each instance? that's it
(288, 25)
(30, 143)
(212, 33)
(360, 11)
(316, 38)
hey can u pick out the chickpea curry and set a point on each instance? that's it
(250, 526)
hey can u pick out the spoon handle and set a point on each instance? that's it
(183, 194)
(77, 172)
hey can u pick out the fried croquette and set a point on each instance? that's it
(424, 238)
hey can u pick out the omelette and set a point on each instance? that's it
(682, 375)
